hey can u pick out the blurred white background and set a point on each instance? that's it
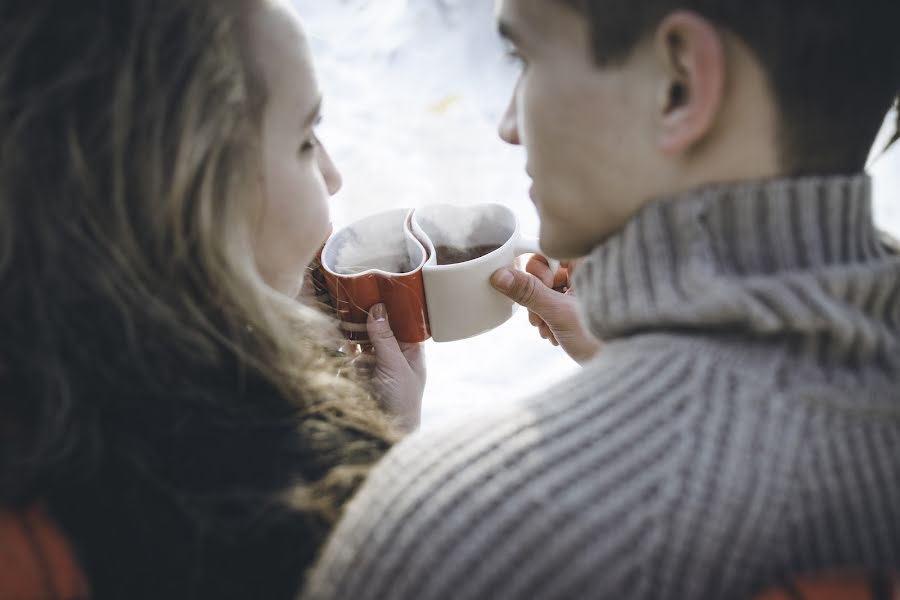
(413, 93)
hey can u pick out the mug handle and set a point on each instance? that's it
(530, 245)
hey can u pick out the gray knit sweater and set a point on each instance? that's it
(742, 423)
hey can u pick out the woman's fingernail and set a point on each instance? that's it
(503, 280)
(379, 312)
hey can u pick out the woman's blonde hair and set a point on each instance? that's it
(134, 321)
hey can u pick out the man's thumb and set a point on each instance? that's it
(523, 288)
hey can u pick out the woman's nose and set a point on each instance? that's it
(330, 172)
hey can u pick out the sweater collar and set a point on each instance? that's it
(788, 256)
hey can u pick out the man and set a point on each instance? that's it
(741, 422)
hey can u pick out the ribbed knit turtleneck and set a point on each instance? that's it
(778, 257)
(741, 423)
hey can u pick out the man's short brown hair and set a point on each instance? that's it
(834, 65)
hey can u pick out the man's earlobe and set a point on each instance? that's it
(693, 59)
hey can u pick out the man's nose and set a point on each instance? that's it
(509, 124)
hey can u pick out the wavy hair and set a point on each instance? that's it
(186, 424)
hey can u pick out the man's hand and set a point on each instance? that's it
(551, 304)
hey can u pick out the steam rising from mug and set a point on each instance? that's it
(374, 243)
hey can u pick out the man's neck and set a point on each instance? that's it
(743, 145)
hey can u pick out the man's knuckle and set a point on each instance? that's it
(527, 291)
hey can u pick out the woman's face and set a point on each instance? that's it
(292, 221)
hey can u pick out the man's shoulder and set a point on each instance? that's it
(453, 507)
(643, 388)
(656, 440)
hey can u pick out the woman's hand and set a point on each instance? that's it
(399, 373)
(550, 300)
(395, 369)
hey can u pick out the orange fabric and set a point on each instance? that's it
(36, 560)
(833, 586)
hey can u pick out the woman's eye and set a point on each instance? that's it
(312, 142)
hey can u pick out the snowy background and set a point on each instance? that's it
(413, 93)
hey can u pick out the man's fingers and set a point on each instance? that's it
(548, 335)
(537, 266)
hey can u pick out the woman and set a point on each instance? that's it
(167, 407)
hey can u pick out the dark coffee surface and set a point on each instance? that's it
(449, 255)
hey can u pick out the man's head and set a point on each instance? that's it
(621, 101)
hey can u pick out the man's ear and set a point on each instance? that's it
(692, 54)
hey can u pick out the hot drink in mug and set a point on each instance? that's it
(430, 266)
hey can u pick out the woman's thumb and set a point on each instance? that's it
(381, 335)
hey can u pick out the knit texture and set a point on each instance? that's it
(741, 424)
